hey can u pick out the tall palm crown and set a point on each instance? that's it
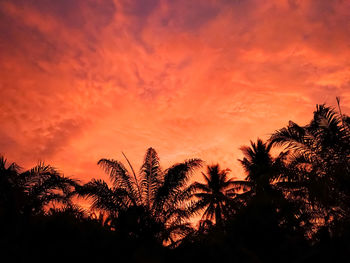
(320, 159)
(28, 193)
(325, 139)
(264, 188)
(257, 162)
(215, 195)
(261, 168)
(153, 197)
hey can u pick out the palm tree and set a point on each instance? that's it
(319, 161)
(261, 168)
(264, 189)
(29, 193)
(215, 195)
(151, 202)
(11, 192)
(38, 186)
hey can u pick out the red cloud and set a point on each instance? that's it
(85, 80)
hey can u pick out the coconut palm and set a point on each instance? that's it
(215, 195)
(34, 188)
(262, 170)
(325, 140)
(319, 161)
(264, 188)
(30, 193)
(11, 192)
(151, 202)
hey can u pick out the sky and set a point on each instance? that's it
(86, 79)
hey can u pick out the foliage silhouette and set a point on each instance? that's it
(261, 168)
(292, 206)
(215, 196)
(26, 194)
(150, 205)
(319, 173)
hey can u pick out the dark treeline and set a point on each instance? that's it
(291, 207)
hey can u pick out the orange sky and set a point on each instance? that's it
(85, 79)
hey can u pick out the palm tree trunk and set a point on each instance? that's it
(218, 219)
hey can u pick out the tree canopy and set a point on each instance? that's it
(293, 205)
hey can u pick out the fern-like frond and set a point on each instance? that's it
(120, 177)
(150, 176)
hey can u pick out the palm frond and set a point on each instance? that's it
(120, 177)
(175, 178)
(135, 177)
(103, 197)
(241, 185)
(150, 176)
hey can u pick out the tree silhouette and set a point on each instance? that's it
(292, 206)
(148, 204)
(319, 163)
(25, 197)
(265, 190)
(29, 192)
(262, 170)
(215, 195)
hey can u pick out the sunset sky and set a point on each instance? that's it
(82, 80)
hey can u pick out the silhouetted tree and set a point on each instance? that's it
(28, 193)
(25, 198)
(215, 195)
(264, 188)
(319, 163)
(150, 204)
(291, 207)
(262, 170)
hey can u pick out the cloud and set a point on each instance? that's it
(84, 80)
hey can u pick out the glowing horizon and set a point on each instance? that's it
(86, 80)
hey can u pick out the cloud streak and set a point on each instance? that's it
(88, 79)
